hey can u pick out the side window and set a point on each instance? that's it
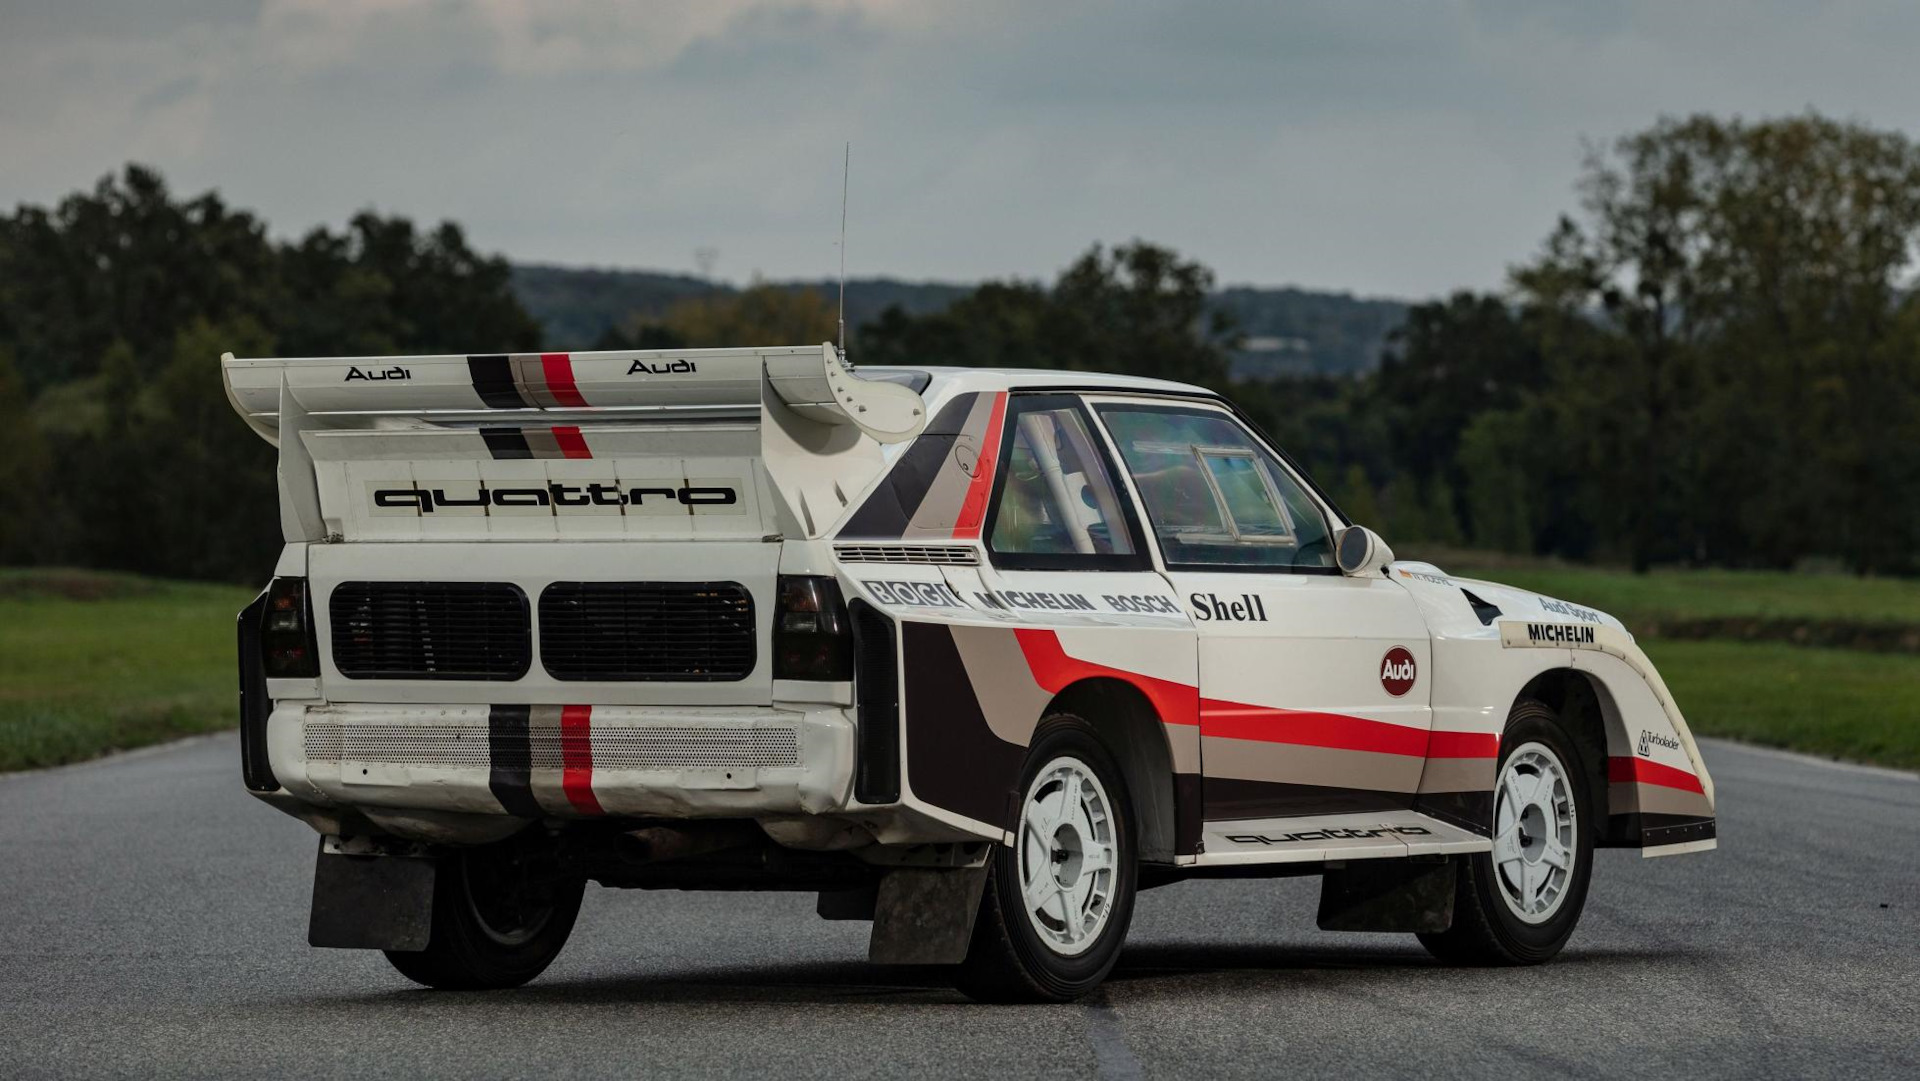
(1213, 495)
(1057, 504)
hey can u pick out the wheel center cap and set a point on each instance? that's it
(1068, 855)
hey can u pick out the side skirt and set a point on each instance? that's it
(1323, 838)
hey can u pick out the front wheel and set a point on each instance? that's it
(500, 917)
(1057, 903)
(1518, 904)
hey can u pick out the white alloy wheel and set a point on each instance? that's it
(1067, 856)
(1534, 831)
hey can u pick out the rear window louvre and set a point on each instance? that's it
(669, 632)
(430, 630)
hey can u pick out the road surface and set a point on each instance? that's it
(153, 921)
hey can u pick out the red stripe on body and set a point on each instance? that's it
(1309, 728)
(1640, 771)
(1176, 703)
(973, 509)
(572, 443)
(558, 369)
(1463, 745)
(576, 758)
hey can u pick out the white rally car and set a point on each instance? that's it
(974, 655)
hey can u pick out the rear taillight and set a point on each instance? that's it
(811, 636)
(287, 649)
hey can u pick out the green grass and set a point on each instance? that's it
(1836, 702)
(91, 663)
(94, 662)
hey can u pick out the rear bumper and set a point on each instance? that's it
(564, 762)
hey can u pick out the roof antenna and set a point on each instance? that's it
(846, 167)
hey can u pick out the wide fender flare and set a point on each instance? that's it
(1633, 695)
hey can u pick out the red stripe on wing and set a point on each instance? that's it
(572, 443)
(973, 508)
(558, 370)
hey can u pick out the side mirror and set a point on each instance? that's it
(1361, 551)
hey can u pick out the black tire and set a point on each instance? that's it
(1486, 930)
(1008, 960)
(500, 917)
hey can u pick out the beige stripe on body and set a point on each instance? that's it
(1002, 681)
(1292, 763)
(1625, 797)
(530, 378)
(936, 514)
(543, 744)
(1457, 775)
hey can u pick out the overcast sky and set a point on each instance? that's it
(1392, 148)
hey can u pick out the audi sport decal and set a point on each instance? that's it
(928, 493)
(525, 380)
(510, 760)
(540, 759)
(563, 441)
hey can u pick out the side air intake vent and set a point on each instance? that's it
(669, 632)
(947, 555)
(876, 690)
(430, 630)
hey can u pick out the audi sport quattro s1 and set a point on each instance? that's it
(973, 655)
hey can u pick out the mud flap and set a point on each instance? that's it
(1388, 895)
(924, 915)
(371, 902)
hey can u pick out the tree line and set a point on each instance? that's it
(1713, 359)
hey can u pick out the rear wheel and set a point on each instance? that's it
(500, 917)
(1056, 906)
(1518, 904)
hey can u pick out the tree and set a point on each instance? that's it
(1138, 309)
(1749, 278)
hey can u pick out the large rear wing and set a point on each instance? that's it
(811, 380)
(750, 442)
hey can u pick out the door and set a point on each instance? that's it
(1313, 685)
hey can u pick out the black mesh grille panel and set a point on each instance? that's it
(876, 688)
(430, 630)
(678, 632)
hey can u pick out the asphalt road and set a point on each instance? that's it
(153, 919)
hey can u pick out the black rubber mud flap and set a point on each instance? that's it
(1388, 895)
(924, 915)
(372, 902)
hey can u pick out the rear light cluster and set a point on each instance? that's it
(812, 638)
(287, 646)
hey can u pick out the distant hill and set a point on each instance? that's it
(1288, 331)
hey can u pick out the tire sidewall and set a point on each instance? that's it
(1539, 941)
(1061, 975)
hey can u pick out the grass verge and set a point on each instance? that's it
(1841, 703)
(91, 663)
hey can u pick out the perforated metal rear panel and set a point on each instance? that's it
(652, 747)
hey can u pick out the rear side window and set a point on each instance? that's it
(1216, 498)
(1057, 503)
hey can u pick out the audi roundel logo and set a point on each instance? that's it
(1397, 671)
